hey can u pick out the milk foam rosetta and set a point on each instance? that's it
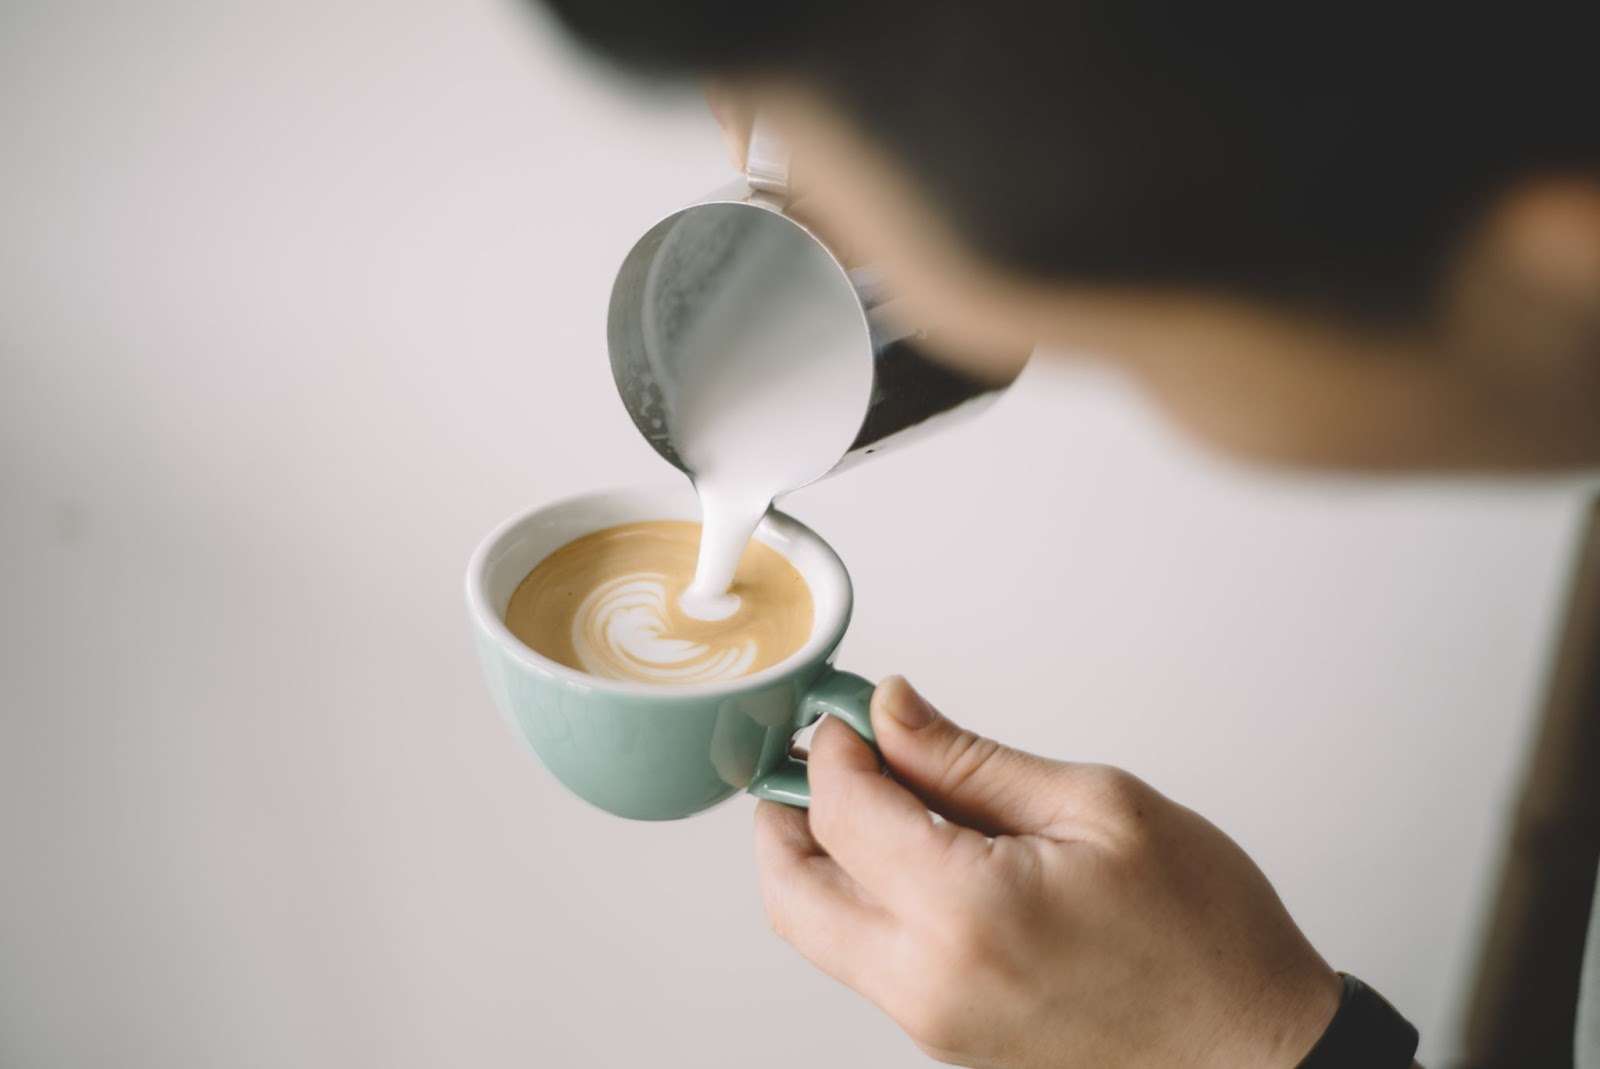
(608, 604)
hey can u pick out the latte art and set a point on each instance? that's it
(622, 631)
(609, 604)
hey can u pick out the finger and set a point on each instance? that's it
(877, 831)
(812, 904)
(961, 775)
(804, 211)
(735, 115)
(735, 112)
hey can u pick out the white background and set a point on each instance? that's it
(295, 304)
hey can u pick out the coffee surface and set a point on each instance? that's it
(608, 604)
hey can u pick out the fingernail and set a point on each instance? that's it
(907, 706)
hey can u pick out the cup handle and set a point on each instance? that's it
(841, 694)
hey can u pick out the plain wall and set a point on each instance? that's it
(298, 300)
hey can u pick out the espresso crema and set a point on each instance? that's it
(608, 604)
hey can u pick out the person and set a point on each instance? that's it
(1328, 237)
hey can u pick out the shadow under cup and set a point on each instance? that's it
(655, 752)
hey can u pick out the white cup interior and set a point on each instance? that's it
(505, 558)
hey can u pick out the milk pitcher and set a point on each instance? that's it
(735, 271)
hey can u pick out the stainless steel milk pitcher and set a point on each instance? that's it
(738, 252)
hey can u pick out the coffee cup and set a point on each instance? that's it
(662, 751)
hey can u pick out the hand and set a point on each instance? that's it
(1061, 915)
(734, 109)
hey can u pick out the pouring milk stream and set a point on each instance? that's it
(761, 406)
(754, 361)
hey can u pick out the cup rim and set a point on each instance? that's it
(825, 634)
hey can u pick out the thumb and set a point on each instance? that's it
(960, 775)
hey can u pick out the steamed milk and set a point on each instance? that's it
(764, 396)
(765, 405)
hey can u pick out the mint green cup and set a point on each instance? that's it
(654, 752)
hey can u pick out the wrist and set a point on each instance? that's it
(1304, 1023)
(1286, 1021)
